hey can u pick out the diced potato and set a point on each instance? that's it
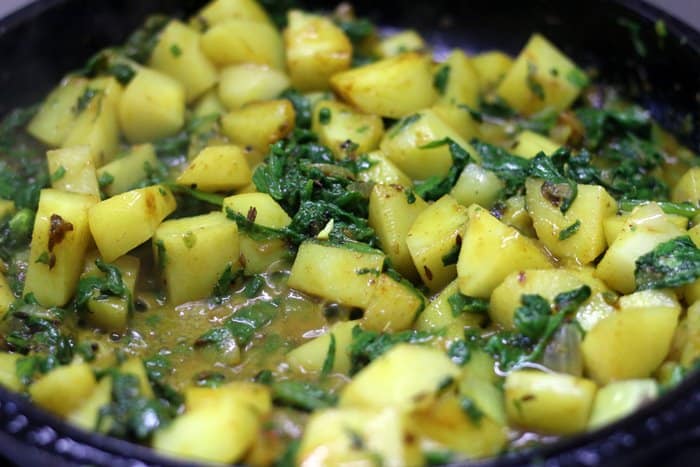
(391, 215)
(343, 274)
(399, 43)
(217, 168)
(235, 41)
(242, 84)
(111, 313)
(480, 383)
(613, 225)
(434, 240)
(178, 54)
(491, 67)
(647, 227)
(393, 87)
(123, 173)
(8, 371)
(594, 310)
(6, 295)
(390, 380)
(548, 283)
(212, 433)
(331, 438)
(618, 399)
(256, 396)
(461, 83)
(688, 187)
(552, 403)
(217, 11)
(459, 118)
(477, 185)
(73, 170)
(259, 124)
(592, 205)
(393, 306)
(541, 77)
(438, 315)
(97, 125)
(152, 106)
(488, 241)
(63, 389)
(125, 221)
(383, 171)
(316, 49)
(445, 422)
(345, 131)
(59, 241)
(310, 356)
(195, 251)
(87, 413)
(57, 113)
(257, 255)
(528, 144)
(621, 345)
(405, 145)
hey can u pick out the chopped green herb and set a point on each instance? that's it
(671, 264)
(175, 50)
(570, 230)
(403, 124)
(302, 395)
(532, 83)
(464, 304)
(324, 116)
(577, 77)
(329, 361)
(470, 408)
(105, 179)
(85, 99)
(58, 174)
(441, 79)
(459, 352)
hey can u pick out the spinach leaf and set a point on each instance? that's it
(435, 187)
(140, 44)
(465, 304)
(369, 345)
(511, 169)
(671, 264)
(560, 191)
(110, 284)
(302, 107)
(302, 395)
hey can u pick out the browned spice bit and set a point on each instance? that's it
(521, 277)
(52, 261)
(428, 273)
(252, 214)
(57, 231)
(555, 193)
(527, 397)
(458, 240)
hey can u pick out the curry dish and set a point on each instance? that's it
(283, 238)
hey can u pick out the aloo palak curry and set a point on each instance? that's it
(280, 238)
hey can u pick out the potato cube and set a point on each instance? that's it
(87, 413)
(390, 380)
(481, 384)
(528, 144)
(551, 403)
(434, 241)
(688, 187)
(445, 423)
(212, 433)
(438, 316)
(585, 216)
(123, 173)
(393, 87)
(57, 113)
(217, 11)
(59, 241)
(344, 274)
(259, 124)
(73, 170)
(125, 221)
(178, 55)
(383, 171)
(506, 298)
(647, 227)
(630, 343)
(8, 371)
(405, 145)
(459, 118)
(621, 398)
(458, 80)
(541, 77)
(195, 251)
(63, 389)
(316, 49)
(399, 43)
(346, 132)
(250, 82)
(477, 185)
(491, 67)
(488, 241)
(256, 396)
(152, 106)
(236, 41)
(393, 306)
(217, 168)
(310, 356)
(391, 215)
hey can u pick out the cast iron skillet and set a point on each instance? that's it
(42, 42)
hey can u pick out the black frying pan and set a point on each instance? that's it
(42, 42)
